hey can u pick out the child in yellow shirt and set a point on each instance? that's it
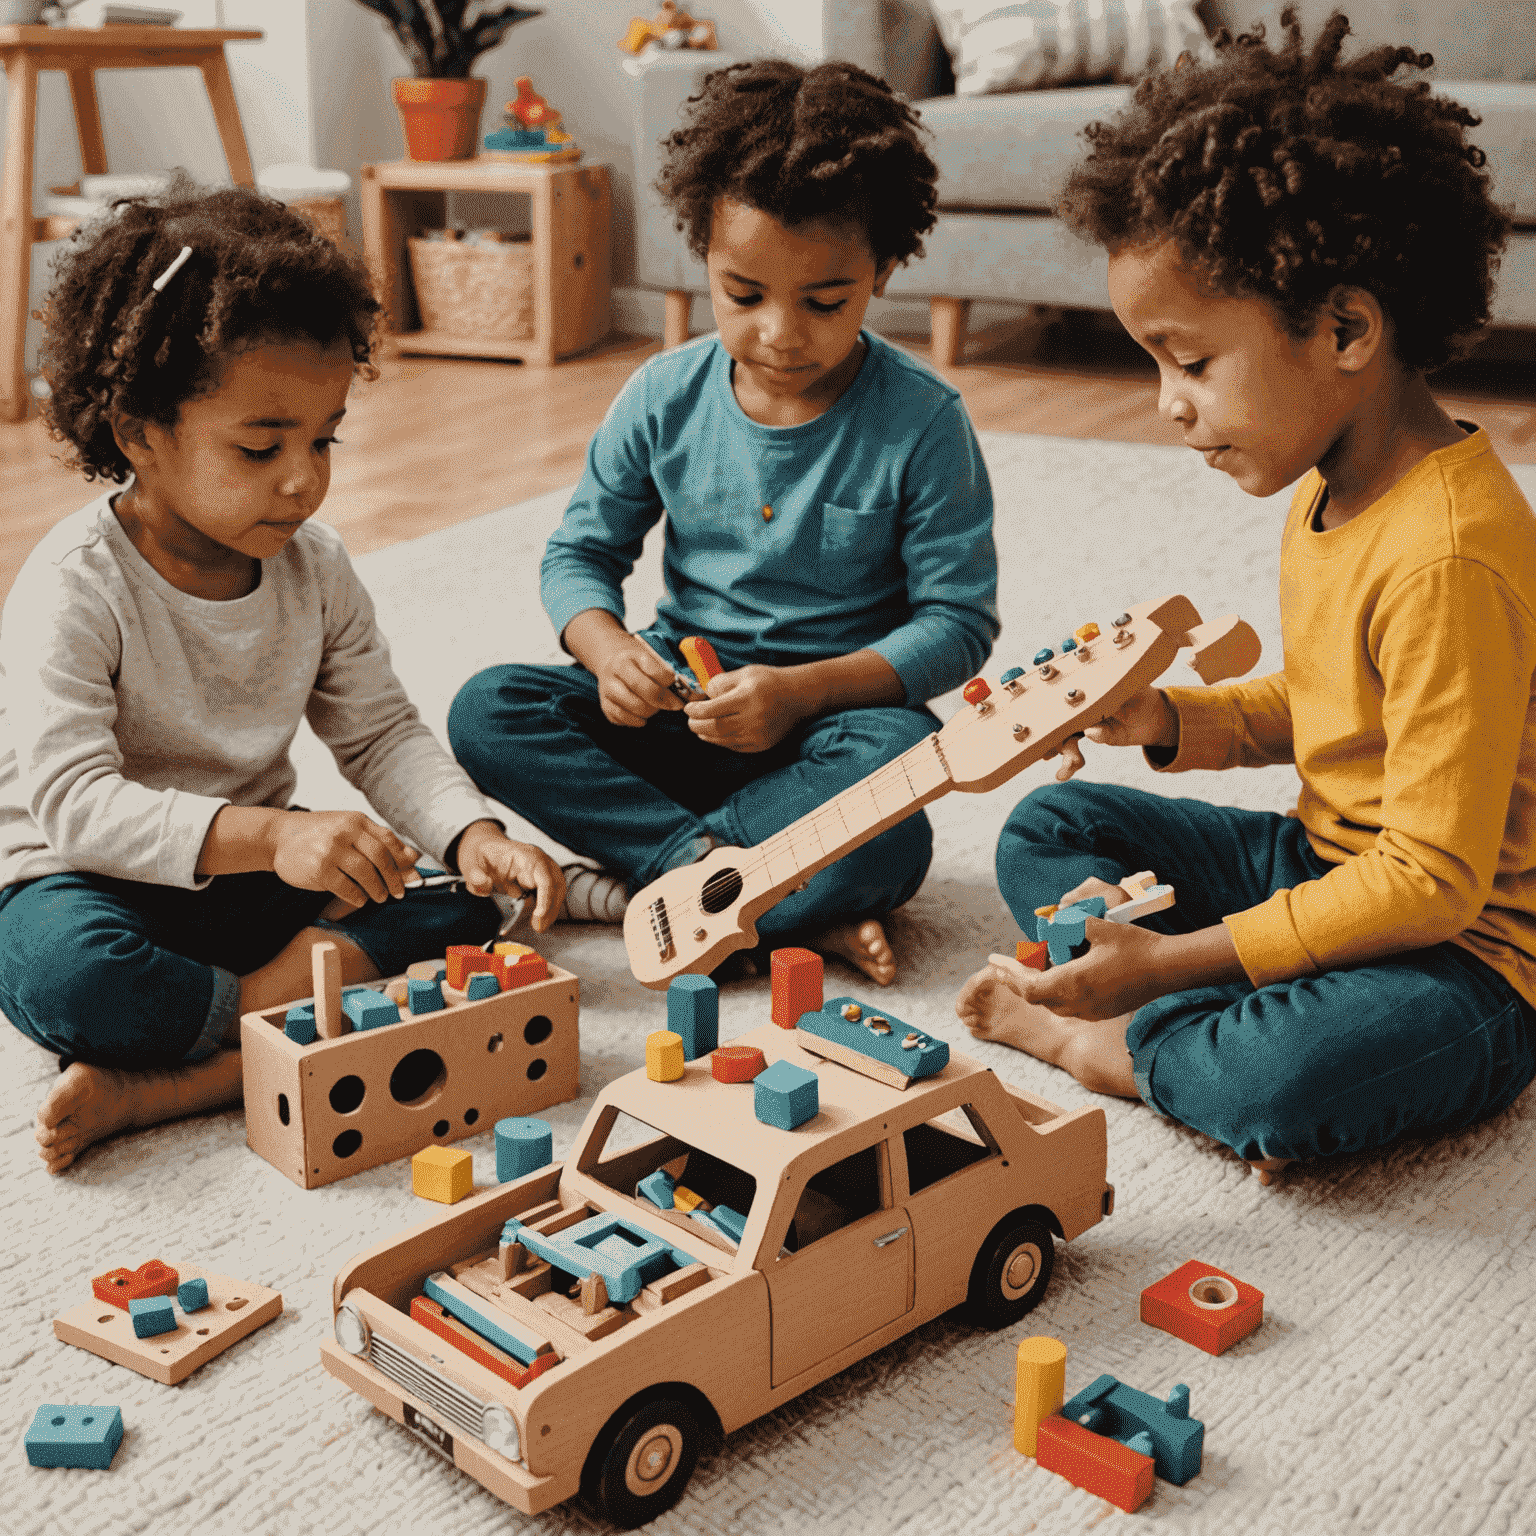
(1296, 241)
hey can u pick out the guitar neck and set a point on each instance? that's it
(861, 812)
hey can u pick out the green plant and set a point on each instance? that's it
(440, 44)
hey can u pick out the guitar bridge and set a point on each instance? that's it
(661, 928)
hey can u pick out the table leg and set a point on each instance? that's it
(543, 237)
(16, 229)
(93, 144)
(226, 113)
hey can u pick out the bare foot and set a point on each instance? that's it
(861, 944)
(1093, 1052)
(89, 1103)
(1268, 1167)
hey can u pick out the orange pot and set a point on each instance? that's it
(441, 118)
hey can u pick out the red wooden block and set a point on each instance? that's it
(1035, 956)
(120, 1286)
(464, 958)
(701, 659)
(1095, 1463)
(523, 969)
(736, 1063)
(431, 1315)
(1204, 1306)
(796, 985)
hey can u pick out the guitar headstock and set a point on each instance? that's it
(1072, 685)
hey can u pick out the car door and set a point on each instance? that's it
(845, 1270)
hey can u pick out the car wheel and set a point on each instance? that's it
(1010, 1274)
(648, 1464)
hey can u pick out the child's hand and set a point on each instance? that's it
(343, 852)
(1113, 894)
(490, 861)
(1117, 975)
(748, 710)
(1146, 719)
(633, 682)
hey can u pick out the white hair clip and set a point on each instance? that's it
(171, 271)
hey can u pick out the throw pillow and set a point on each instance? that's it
(998, 46)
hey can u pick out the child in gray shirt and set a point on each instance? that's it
(158, 651)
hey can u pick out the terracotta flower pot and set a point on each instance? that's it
(441, 118)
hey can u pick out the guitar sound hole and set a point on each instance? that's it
(720, 890)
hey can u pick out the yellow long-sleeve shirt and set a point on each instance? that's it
(1406, 705)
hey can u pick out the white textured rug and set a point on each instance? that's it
(1390, 1389)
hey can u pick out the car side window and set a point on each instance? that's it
(945, 1145)
(839, 1196)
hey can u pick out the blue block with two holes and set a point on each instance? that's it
(1109, 1407)
(64, 1436)
(693, 1012)
(299, 1024)
(369, 1009)
(152, 1315)
(1063, 931)
(786, 1095)
(622, 1252)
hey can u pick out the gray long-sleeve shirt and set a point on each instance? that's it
(130, 712)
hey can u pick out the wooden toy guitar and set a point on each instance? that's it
(692, 918)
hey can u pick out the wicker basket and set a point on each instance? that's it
(483, 290)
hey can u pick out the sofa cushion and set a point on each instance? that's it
(1014, 151)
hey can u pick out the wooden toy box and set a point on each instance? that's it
(323, 1111)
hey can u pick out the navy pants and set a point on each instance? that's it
(635, 798)
(120, 973)
(1425, 1042)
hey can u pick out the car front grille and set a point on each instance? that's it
(462, 1409)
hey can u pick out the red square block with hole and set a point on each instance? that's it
(797, 977)
(464, 958)
(1094, 1463)
(120, 1286)
(1204, 1306)
(523, 970)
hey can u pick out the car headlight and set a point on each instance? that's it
(499, 1431)
(351, 1331)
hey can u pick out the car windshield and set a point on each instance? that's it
(669, 1179)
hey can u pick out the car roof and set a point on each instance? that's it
(719, 1118)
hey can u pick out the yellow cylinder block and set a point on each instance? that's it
(1041, 1379)
(663, 1056)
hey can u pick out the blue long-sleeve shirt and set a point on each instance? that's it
(880, 534)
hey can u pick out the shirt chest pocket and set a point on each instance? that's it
(857, 543)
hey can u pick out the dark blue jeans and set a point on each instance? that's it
(1425, 1042)
(633, 798)
(119, 973)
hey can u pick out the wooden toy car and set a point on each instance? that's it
(785, 1256)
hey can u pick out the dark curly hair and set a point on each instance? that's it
(799, 144)
(1283, 172)
(114, 349)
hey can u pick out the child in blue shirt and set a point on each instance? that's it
(828, 528)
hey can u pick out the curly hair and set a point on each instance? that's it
(114, 349)
(1284, 172)
(830, 143)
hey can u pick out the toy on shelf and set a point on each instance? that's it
(66, 1436)
(670, 29)
(691, 918)
(533, 133)
(714, 1245)
(417, 1061)
(222, 1312)
(1204, 1306)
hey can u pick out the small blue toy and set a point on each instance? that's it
(1109, 1407)
(481, 1317)
(693, 1012)
(299, 1024)
(424, 996)
(481, 984)
(523, 1144)
(872, 1042)
(152, 1315)
(368, 1009)
(192, 1295)
(786, 1095)
(63, 1436)
(622, 1252)
(1062, 932)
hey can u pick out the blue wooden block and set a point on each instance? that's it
(62, 1436)
(660, 1188)
(485, 1319)
(424, 996)
(786, 1095)
(865, 1035)
(622, 1252)
(152, 1315)
(1063, 932)
(299, 1024)
(724, 1219)
(693, 1011)
(480, 984)
(1109, 1407)
(523, 1143)
(192, 1295)
(368, 1009)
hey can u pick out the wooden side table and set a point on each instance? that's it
(79, 52)
(572, 215)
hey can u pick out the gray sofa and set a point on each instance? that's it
(1002, 158)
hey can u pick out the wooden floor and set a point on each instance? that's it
(437, 440)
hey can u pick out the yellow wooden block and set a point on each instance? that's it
(663, 1056)
(684, 1199)
(1038, 1387)
(1085, 632)
(506, 947)
(442, 1173)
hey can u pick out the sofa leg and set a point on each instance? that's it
(947, 319)
(675, 327)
